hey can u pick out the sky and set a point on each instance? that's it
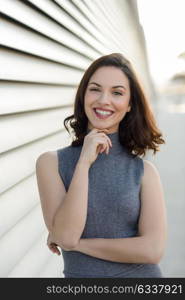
(163, 22)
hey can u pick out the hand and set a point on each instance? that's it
(95, 142)
(52, 245)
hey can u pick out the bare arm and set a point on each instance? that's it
(50, 186)
(64, 213)
(70, 218)
(149, 246)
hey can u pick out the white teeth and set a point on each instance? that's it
(103, 112)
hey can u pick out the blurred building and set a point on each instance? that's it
(179, 77)
(174, 90)
(46, 47)
(176, 85)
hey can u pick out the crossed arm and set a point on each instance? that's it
(149, 245)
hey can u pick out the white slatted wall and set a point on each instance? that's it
(46, 47)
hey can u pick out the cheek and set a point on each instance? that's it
(121, 106)
(87, 104)
(88, 100)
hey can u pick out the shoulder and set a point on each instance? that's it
(46, 159)
(52, 157)
(149, 167)
(150, 172)
(47, 155)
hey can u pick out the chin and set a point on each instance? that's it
(91, 126)
(108, 129)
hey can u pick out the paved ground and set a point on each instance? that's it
(170, 162)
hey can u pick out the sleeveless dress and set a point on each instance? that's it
(113, 209)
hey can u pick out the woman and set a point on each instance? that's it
(103, 205)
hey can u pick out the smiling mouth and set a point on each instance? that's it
(102, 116)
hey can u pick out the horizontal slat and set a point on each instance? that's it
(122, 28)
(33, 43)
(21, 198)
(108, 22)
(112, 17)
(79, 17)
(102, 24)
(23, 159)
(32, 69)
(32, 18)
(39, 254)
(118, 27)
(51, 9)
(15, 243)
(19, 97)
(23, 128)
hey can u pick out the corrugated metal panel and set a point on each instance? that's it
(19, 239)
(46, 46)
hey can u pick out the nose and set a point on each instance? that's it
(104, 98)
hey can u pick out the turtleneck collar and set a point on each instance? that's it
(117, 147)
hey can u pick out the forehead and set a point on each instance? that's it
(109, 76)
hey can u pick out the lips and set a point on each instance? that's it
(101, 116)
(103, 109)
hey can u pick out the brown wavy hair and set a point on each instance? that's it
(138, 130)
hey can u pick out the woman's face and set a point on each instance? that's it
(107, 98)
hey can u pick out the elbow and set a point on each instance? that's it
(155, 258)
(68, 245)
(155, 254)
(64, 242)
(67, 240)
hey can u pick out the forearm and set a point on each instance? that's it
(70, 218)
(124, 250)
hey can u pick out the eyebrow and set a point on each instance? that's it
(116, 86)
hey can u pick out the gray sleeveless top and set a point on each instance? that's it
(113, 209)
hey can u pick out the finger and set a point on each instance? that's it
(107, 145)
(105, 148)
(103, 131)
(99, 149)
(57, 251)
(102, 150)
(94, 130)
(52, 245)
(100, 130)
(54, 249)
(103, 145)
(109, 140)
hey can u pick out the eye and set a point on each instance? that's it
(94, 89)
(117, 93)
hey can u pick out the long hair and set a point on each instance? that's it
(138, 130)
